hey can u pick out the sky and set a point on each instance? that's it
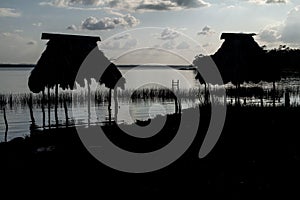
(157, 31)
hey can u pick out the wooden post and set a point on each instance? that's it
(287, 99)
(66, 112)
(109, 106)
(238, 94)
(116, 104)
(89, 103)
(56, 105)
(176, 105)
(6, 125)
(49, 108)
(206, 94)
(43, 108)
(273, 93)
(30, 109)
(175, 88)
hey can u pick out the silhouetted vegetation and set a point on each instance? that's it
(240, 59)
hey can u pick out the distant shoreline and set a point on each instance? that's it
(17, 65)
(180, 67)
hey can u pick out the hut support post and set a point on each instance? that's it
(287, 99)
(176, 105)
(206, 94)
(274, 93)
(43, 108)
(56, 104)
(109, 106)
(6, 125)
(116, 104)
(30, 109)
(238, 86)
(49, 107)
(89, 103)
(66, 112)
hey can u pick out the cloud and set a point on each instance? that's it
(129, 5)
(117, 44)
(32, 42)
(9, 12)
(268, 1)
(276, 1)
(18, 31)
(168, 34)
(120, 41)
(110, 45)
(206, 30)
(170, 44)
(72, 27)
(270, 33)
(67, 3)
(183, 45)
(291, 28)
(121, 37)
(206, 45)
(287, 31)
(37, 24)
(130, 44)
(107, 23)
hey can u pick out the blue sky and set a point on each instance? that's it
(184, 27)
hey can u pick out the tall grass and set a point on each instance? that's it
(155, 94)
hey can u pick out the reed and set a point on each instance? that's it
(249, 96)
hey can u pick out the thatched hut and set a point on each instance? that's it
(240, 59)
(61, 61)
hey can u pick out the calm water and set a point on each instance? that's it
(14, 81)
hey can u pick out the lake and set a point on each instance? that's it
(14, 81)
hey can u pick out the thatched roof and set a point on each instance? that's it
(237, 36)
(60, 62)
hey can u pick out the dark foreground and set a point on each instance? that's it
(257, 156)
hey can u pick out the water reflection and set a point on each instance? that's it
(14, 81)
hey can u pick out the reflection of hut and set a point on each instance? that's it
(60, 63)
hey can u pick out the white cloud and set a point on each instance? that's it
(291, 30)
(170, 44)
(268, 1)
(183, 45)
(9, 12)
(287, 32)
(38, 24)
(107, 23)
(129, 5)
(18, 31)
(130, 44)
(122, 36)
(168, 34)
(276, 1)
(67, 3)
(270, 33)
(206, 30)
(120, 41)
(72, 27)
(110, 45)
